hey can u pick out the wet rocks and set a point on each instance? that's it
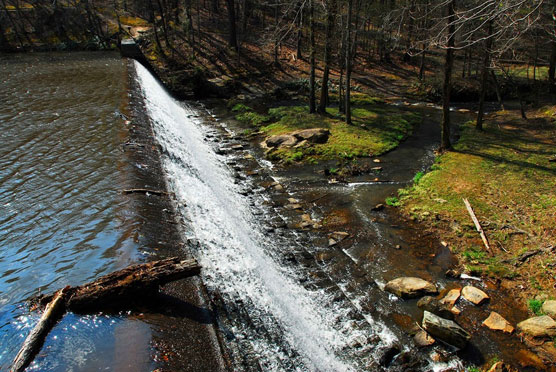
(496, 322)
(474, 295)
(498, 367)
(434, 306)
(410, 287)
(423, 339)
(539, 326)
(451, 297)
(549, 308)
(378, 207)
(445, 330)
(388, 356)
(336, 237)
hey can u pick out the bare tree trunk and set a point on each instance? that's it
(348, 63)
(299, 55)
(497, 88)
(484, 78)
(312, 103)
(232, 24)
(445, 143)
(330, 15)
(214, 4)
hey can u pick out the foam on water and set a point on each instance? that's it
(234, 253)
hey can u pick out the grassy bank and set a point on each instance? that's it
(376, 128)
(507, 174)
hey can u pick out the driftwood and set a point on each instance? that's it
(145, 191)
(131, 283)
(477, 224)
(52, 313)
(123, 287)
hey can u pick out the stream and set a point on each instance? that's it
(280, 296)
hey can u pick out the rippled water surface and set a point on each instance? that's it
(62, 219)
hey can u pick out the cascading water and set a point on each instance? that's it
(279, 321)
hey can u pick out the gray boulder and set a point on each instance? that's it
(281, 140)
(445, 330)
(538, 326)
(315, 135)
(434, 306)
(549, 308)
(410, 287)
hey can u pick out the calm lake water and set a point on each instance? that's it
(62, 218)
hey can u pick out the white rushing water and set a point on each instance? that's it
(233, 250)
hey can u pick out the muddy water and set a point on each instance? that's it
(62, 219)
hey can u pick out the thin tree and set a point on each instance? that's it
(445, 143)
(232, 41)
(312, 103)
(484, 76)
(330, 17)
(348, 63)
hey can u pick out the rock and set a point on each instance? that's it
(451, 297)
(237, 147)
(549, 308)
(455, 310)
(332, 242)
(281, 140)
(388, 356)
(445, 330)
(378, 207)
(498, 367)
(293, 206)
(539, 326)
(376, 168)
(434, 306)
(452, 273)
(410, 287)
(315, 135)
(338, 235)
(293, 201)
(496, 322)
(423, 339)
(376, 160)
(303, 143)
(278, 187)
(474, 294)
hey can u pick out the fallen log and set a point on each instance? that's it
(130, 284)
(52, 313)
(145, 191)
(124, 287)
(477, 224)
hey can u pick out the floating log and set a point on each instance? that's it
(477, 224)
(145, 191)
(130, 284)
(52, 313)
(123, 287)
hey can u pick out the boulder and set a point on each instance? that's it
(549, 308)
(423, 339)
(496, 322)
(315, 135)
(410, 287)
(498, 367)
(281, 140)
(434, 306)
(474, 294)
(451, 297)
(445, 330)
(539, 326)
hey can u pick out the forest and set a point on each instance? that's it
(342, 92)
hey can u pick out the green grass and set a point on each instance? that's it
(505, 173)
(375, 130)
(535, 306)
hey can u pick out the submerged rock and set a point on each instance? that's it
(434, 306)
(445, 330)
(549, 308)
(496, 322)
(423, 339)
(474, 295)
(539, 326)
(410, 287)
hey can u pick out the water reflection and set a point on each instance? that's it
(62, 220)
